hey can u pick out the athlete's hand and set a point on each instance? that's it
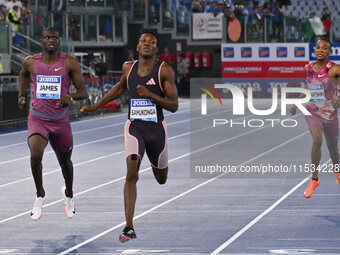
(87, 109)
(21, 102)
(143, 91)
(293, 110)
(64, 102)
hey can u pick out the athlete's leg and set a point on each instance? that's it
(316, 133)
(157, 151)
(61, 141)
(134, 149)
(130, 188)
(161, 175)
(331, 131)
(37, 145)
(66, 165)
(332, 145)
(315, 125)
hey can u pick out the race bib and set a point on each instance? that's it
(317, 93)
(143, 109)
(48, 87)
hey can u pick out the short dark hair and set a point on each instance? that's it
(49, 29)
(326, 40)
(149, 32)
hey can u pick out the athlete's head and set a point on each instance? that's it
(322, 49)
(50, 39)
(148, 44)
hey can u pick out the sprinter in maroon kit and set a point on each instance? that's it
(51, 73)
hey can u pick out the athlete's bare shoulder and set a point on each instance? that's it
(127, 66)
(72, 65)
(334, 71)
(28, 60)
(28, 64)
(166, 70)
(70, 60)
(166, 65)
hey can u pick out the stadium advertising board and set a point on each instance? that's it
(280, 60)
(207, 26)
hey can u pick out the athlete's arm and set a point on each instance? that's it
(114, 93)
(334, 73)
(170, 102)
(294, 107)
(77, 78)
(24, 80)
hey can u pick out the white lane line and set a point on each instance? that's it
(74, 133)
(180, 195)
(99, 158)
(51, 151)
(123, 123)
(117, 124)
(91, 129)
(94, 118)
(135, 218)
(87, 190)
(121, 178)
(108, 138)
(82, 144)
(72, 123)
(259, 217)
(58, 170)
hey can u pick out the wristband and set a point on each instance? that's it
(21, 96)
(69, 97)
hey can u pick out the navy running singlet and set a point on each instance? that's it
(142, 108)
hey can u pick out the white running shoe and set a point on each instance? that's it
(37, 211)
(68, 204)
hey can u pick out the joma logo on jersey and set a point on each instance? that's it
(314, 86)
(48, 88)
(142, 103)
(51, 79)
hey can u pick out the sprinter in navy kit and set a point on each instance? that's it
(151, 87)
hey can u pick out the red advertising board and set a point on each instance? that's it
(272, 69)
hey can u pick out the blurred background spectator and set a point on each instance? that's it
(131, 56)
(196, 6)
(211, 7)
(167, 56)
(182, 72)
(3, 7)
(326, 20)
(14, 19)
